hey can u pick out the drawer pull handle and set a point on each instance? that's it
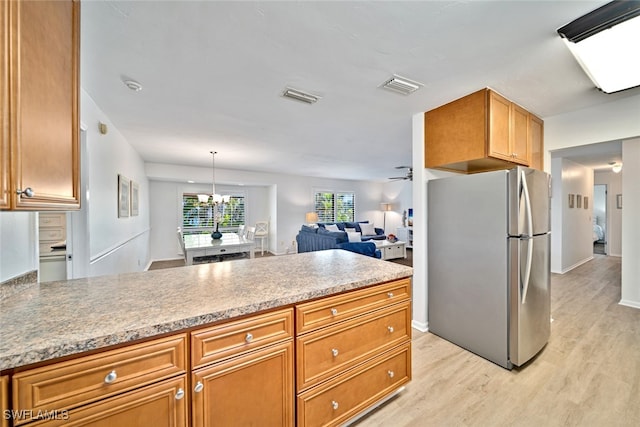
(390, 373)
(249, 337)
(334, 351)
(198, 388)
(27, 192)
(334, 311)
(390, 328)
(334, 405)
(111, 377)
(390, 294)
(180, 394)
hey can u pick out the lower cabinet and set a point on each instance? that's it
(4, 401)
(346, 395)
(243, 372)
(251, 390)
(352, 350)
(160, 405)
(342, 354)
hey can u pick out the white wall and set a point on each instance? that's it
(281, 199)
(613, 227)
(18, 244)
(631, 223)
(399, 194)
(116, 245)
(571, 228)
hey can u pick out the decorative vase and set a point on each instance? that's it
(216, 234)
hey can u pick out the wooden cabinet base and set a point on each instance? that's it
(345, 396)
(254, 389)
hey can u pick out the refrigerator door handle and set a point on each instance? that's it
(527, 272)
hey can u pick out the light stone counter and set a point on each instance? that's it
(55, 319)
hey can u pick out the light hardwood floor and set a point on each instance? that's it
(587, 375)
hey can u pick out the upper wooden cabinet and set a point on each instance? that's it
(39, 76)
(480, 132)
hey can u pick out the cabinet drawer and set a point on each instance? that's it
(86, 379)
(313, 315)
(326, 352)
(159, 405)
(52, 220)
(345, 396)
(233, 338)
(52, 234)
(255, 389)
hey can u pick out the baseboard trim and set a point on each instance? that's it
(629, 303)
(421, 326)
(576, 265)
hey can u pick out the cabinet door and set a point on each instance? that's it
(255, 389)
(4, 400)
(44, 129)
(4, 104)
(499, 127)
(536, 129)
(158, 405)
(520, 135)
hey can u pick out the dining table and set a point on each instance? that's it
(202, 245)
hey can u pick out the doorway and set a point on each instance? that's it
(600, 219)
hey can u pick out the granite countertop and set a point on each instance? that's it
(55, 319)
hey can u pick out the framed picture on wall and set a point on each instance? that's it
(571, 200)
(586, 202)
(135, 189)
(123, 196)
(579, 201)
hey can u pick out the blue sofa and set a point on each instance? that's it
(342, 226)
(310, 239)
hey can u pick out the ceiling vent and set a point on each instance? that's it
(402, 85)
(298, 95)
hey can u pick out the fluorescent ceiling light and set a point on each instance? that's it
(605, 44)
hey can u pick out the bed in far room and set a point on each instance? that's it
(598, 230)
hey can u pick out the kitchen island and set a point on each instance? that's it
(183, 308)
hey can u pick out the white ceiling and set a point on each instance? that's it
(213, 72)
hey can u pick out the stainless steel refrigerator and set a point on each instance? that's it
(489, 263)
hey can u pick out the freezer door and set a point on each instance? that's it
(529, 202)
(530, 301)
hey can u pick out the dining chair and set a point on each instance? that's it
(262, 233)
(251, 231)
(181, 240)
(241, 230)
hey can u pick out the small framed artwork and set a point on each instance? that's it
(571, 200)
(586, 202)
(123, 196)
(135, 189)
(619, 201)
(578, 201)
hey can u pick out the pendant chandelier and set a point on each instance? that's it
(216, 199)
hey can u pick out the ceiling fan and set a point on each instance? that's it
(408, 176)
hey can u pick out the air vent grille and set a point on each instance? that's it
(299, 95)
(402, 85)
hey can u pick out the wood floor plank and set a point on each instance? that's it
(587, 375)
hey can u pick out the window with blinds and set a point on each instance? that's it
(334, 207)
(196, 214)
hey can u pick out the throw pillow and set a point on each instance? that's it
(367, 229)
(354, 236)
(332, 227)
(350, 230)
